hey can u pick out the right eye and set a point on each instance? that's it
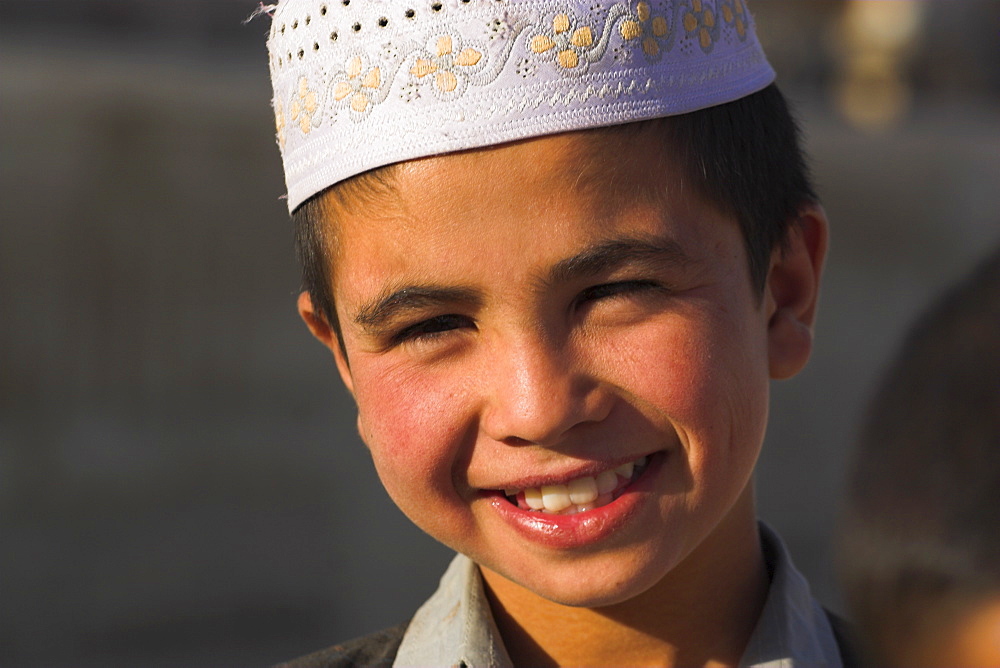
(428, 330)
(619, 289)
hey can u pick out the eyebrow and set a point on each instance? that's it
(376, 313)
(615, 253)
(594, 260)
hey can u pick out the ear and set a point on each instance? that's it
(321, 329)
(792, 292)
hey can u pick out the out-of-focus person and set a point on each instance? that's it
(920, 536)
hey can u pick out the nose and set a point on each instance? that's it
(538, 392)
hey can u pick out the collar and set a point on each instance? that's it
(455, 626)
(792, 630)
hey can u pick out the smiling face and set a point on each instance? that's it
(522, 320)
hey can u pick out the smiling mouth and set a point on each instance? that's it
(580, 494)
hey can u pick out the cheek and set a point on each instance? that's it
(707, 376)
(413, 426)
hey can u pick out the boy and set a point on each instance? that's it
(920, 545)
(557, 250)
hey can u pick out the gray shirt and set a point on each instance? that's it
(455, 627)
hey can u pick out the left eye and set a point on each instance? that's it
(431, 328)
(620, 288)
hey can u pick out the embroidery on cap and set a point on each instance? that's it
(700, 19)
(571, 42)
(499, 29)
(651, 30)
(735, 13)
(358, 87)
(279, 122)
(566, 41)
(303, 106)
(450, 64)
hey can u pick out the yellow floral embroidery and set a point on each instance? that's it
(355, 84)
(569, 45)
(303, 107)
(702, 20)
(735, 13)
(443, 65)
(645, 29)
(279, 122)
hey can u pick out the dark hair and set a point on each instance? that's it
(920, 538)
(744, 157)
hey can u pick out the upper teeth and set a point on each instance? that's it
(579, 491)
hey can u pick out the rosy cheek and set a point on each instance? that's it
(669, 369)
(413, 427)
(704, 385)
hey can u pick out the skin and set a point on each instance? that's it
(505, 327)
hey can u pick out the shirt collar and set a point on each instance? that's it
(792, 629)
(455, 626)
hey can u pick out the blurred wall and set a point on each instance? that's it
(180, 478)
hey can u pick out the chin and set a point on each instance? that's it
(593, 585)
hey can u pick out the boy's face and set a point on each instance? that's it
(544, 312)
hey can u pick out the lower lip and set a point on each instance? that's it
(581, 529)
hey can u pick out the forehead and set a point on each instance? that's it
(535, 198)
(604, 164)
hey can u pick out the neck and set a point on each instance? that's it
(701, 613)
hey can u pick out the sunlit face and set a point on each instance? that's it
(539, 313)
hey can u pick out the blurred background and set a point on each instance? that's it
(181, 483)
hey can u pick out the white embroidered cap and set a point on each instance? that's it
(363, 83)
